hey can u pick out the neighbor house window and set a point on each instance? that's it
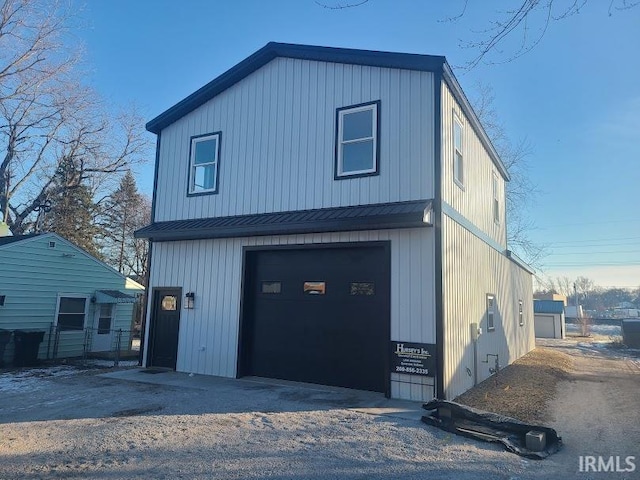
(357, 140)
(458, 157)
(496, 200)
(71, 313)
(491, 312)
(104, 320)
(520, 313)
(204, 163)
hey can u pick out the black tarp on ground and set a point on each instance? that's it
(489, 427)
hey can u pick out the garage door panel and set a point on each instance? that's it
(337, 337)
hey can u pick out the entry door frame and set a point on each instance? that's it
(246, 298)
(155, 293)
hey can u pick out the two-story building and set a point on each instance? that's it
(333, 216)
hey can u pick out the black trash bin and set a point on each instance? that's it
(5, 336)
(27, 343)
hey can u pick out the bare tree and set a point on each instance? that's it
(48, 118)
(520, 190)
(528, 21)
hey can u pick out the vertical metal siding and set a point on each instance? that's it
(475, 201)
(213, 270)
(278, 141)
(471, 270)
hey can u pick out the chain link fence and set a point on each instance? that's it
(90, 343)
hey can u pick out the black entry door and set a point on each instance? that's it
(318, 315)
(164, 327)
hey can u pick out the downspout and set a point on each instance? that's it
(147, 313)
(437, 225)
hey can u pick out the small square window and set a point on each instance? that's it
(169, 303)
(357, 140)
(491, 312)
(458, 155)
(271, 287)
(314, 288)
(362, 288)
(204, 161)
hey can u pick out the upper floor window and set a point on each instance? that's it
(357, 140)
(491, 312)
(496, 199)
(204, 163)
(458, 157)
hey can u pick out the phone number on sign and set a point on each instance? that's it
(415, 370)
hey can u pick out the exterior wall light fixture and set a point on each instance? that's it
(189, 300)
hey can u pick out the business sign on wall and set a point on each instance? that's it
(413, 358)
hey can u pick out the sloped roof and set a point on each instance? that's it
(361, 217)
(113, 296)
(272, 50)
(16, 238)
(548, 306)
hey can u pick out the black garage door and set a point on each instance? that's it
(318, 315)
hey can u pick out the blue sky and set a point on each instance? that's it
(575, 97)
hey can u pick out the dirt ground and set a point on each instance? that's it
(66, 422)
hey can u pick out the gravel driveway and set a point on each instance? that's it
(66, 423)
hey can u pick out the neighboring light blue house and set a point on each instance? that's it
(549, 318)
(49, 284)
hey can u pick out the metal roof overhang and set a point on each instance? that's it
(411, 214)
(113, 296)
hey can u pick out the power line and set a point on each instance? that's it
(547, 227)
(598, 253)
(591, 245)
(593, 264)
(596, 240)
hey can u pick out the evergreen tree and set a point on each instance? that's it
(72, 214)
(126, 210)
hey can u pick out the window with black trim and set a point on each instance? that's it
(357, 131)
(496, 200)
(71, 313)
(458, 156)
(491, 312)
(204, 164)
(520, 313)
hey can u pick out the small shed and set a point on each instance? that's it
(549, 318)
(50, 285)
(631, 332)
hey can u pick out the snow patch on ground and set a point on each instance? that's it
(611, 330)
(33, 379)
(110, 363)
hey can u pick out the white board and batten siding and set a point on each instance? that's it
(471, 270)
(212, 269)
(34, 275)
(278, 141)
(475, 263)
(474, 200)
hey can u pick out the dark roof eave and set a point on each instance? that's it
(409, 214)
(290, 229)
